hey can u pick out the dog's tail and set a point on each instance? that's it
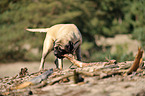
(38, 30)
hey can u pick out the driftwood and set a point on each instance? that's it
(35, 80)
(110, 61)
(137, 61)
(55, 80)
(77, 77)
(111, 74)
(90, 74)
(133, 68)
(79, 63)
(24, 72)
(75, 62)
(100, 70)
(75, 74)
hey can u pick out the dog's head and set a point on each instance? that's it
(60, 50)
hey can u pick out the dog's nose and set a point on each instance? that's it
(58, 54)
(55, 52)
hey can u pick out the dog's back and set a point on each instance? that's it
(65, 32)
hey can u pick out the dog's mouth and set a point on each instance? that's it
(59, 51)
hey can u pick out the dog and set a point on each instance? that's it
(63, 39)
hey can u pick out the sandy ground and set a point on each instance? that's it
(11, 69)
(112, 85)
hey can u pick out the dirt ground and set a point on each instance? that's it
(102, 84)
(11, 69)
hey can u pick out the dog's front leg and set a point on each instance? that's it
(47, 48)
(59, 63)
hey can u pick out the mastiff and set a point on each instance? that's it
(63, 39)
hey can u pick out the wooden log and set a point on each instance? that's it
(79, 63)
(35, 80)
(55, 80)
(110, 74)
(77, 77)
(137, 62)
(90, 74)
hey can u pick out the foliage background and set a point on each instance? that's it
(93, 17)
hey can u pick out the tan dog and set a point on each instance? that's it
(63, 39)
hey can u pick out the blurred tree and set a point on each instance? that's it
(93, 17)
(137, 21)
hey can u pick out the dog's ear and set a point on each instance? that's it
(54, 43)
(71, 45)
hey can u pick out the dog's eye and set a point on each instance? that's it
(59, 48)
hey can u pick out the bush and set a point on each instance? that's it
(101, 17)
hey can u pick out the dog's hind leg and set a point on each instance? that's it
(47, 47)
(78, 53)
(77, 49)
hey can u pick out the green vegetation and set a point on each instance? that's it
(93, 17)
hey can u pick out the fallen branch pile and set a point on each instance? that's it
(99, 70)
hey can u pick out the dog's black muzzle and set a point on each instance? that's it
(68, 49)
(58, 52)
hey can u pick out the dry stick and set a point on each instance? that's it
(88, 74)
(59, 78)
(23, 85)
(35, 80)
(137, 61)
(42, 84)
(110, 61)
(110, 74)
(76, 77)
(82, 64)
(55, 80)
(79, 63)
(75, 62)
